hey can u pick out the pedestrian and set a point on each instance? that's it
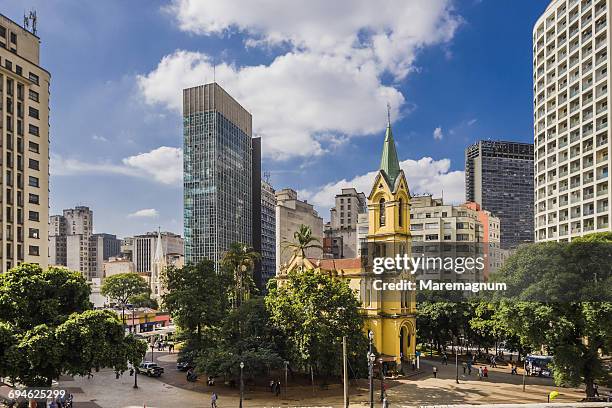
(494, 362)
(53, 404)
(480, 373)
(596, 390)
(278, 388)
(435, 372)
(485, 372)
(513, 371)
(464, 365)
(469, 367)
(385, 403)
(444, 359)
(272, 384)
(213, 400)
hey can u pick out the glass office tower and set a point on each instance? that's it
(218, 173)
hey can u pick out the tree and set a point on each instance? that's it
(46, 329)
(144, 300)
(303, 240)
(123, 286)
(197, 297)
(560, 299)
(241, 259)
(314, 311)
(246, 335)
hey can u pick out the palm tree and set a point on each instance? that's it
(302, 241)
(240, 259)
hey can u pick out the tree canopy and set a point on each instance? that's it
(47, 330)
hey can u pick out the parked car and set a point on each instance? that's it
(184, 365)
(150, 369)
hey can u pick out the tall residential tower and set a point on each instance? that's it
(571, 109)
(24, 136)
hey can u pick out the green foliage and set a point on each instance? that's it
(30, 296)
(123, 286)
(303, 240)
(314, 312)
(246, 335)
(560, 299)
(144, 300)
(197, 296)
(240, 259)
(46, 329)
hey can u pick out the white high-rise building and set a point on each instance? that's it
(571, 42)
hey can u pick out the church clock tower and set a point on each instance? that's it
(392, 317)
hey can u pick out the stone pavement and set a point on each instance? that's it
(172, 390)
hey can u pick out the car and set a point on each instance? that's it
(150, 369)
(184, 365)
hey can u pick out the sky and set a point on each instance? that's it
(316, 75)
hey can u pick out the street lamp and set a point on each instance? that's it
(382, 380)
(241, 384)
(152, 349)
(286, 382)
(371, 358)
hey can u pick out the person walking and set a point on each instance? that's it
(278, 388)
(480, 373)
(485, 372)
(444, 359)
(213, 400)
(385, 403)
(272, 386)
(435, 372)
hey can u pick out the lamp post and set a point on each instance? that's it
(286, 382)
(241, 384)
(371, 358)
(152, 350)
(382, 380)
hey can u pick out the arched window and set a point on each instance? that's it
(381, 212)
(400, 218)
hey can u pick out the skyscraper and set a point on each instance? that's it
(24, 130)
(70, 241)
(218, 173)
(341, 232)
(499, 177)
(268, 232)
(571, 107)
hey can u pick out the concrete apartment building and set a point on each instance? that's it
(140, 249)
(222, 175)
(24, 132)
(268, 232)
(73, 244)
(435, 224)
(499, 178)
(341, 232)
(290, 214)
(571, 107)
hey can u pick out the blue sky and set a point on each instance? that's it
(316, 79)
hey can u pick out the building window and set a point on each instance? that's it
(33, 95)
(14, 38)
(33, 147)
(34, 165)
(33, 216)
(33, 112)
(34, 78)
(33, 181)
(33, 250)
(34, 233)
(401, 213)
(34, 130)
(34, 199)
(381, 212)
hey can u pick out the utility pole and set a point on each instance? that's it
(371, 358)
(457, 365)
(345, 372)
(286, 382)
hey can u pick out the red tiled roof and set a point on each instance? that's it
(336, 264)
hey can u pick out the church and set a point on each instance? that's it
(389, 314)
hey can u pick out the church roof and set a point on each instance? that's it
(389, 163)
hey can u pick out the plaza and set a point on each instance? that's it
(173, 390)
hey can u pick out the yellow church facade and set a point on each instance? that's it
(389, 314)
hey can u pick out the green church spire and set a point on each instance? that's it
(389, 163)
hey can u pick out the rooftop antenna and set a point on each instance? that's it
(214, 73)
(388, 113)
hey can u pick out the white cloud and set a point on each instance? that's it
(425, 175)
(99, 138)
(144, 213)
(437, 133)
(325, 84)
(472, 121)
(163, 165)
